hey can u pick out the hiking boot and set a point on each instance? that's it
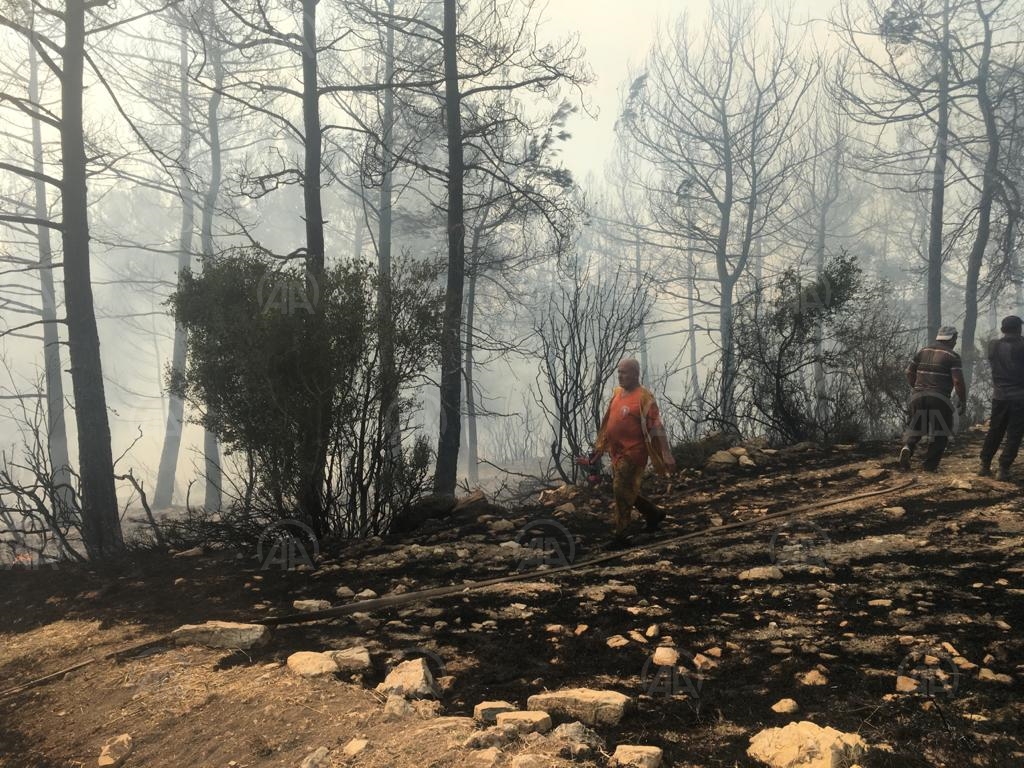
(985, 470)
(1004, 474)
(654, 519)
(905, 454)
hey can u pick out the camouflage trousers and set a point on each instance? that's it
(626, 480)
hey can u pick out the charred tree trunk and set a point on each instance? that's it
(56, 432)
(726, 283)
(934, 295)
(101, 527)
(317, 413)
(164, 493)
(988, 192)
(211, 446)
(451, 376)
(472, 457)
(691, 285)
(389, 405)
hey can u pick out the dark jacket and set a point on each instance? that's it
(1006, 356)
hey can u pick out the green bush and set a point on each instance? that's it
(270, 353)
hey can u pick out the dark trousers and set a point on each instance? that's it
(1007, 420)
(930, 414)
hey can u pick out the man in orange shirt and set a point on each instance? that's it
(632, 432)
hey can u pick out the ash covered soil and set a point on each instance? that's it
(924, 582)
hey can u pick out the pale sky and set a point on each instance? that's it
(617, 35)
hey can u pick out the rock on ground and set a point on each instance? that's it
(589, 706)
(312, 664)
(873, 473)
(397, 707)
(309, 606)
(488, 711)
(581, 743)
(994, 677)
(352, 659)
(355, 747)
(578, 733)
(316, 759)
(806, 745)
(222, 634)
(785, 707)
(639, 757)
(814, 677)
(721, 460)
(665, 656)
(526, 722)
(495, 736)
(115, 751)
(905, 684)
(411, 679)
(483, 758)
(533, 761)
(762, 573)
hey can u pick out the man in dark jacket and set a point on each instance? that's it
(934, 372)
(1006, 356)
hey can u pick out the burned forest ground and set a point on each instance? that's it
(925, 582)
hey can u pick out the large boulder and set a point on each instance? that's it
(806, 745)
(222, 634)
(583, 704)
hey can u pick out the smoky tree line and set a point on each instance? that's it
(316, 160)
(760, 148)
(322, 258)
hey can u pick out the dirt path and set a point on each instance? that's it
(867, 592)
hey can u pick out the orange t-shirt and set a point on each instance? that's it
(624, 434)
